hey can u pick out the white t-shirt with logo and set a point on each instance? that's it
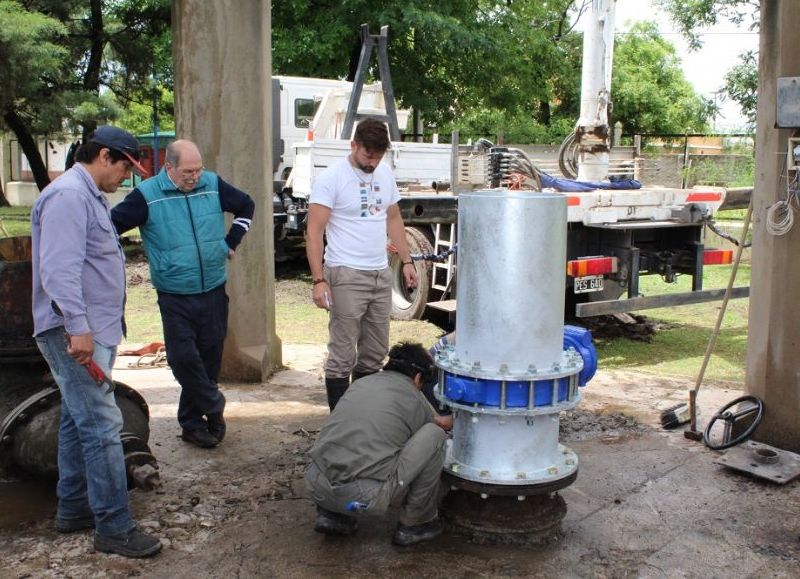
(356, 231)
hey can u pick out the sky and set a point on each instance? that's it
(704, 68)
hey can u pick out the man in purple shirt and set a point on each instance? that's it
(78, 306)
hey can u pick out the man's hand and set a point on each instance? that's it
(444, 422)
(81, 348)
(410, 275)
(231, 253)
(322, 296)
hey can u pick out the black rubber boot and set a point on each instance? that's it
(216, 425)
(409, 535)
(357, 374)
(331, 523)
(335, 387)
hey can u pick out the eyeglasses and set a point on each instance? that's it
(191, 172)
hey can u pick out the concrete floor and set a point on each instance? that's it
(647, 503)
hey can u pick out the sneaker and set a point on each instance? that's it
(134, 544)
(216, 425)
(200, 437)
(75, 524)
(408, 535)
(331, 523)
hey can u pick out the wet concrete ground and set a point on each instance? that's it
(647, 502)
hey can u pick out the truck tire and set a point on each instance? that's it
(410, 305)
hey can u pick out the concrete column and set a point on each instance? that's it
(773, 351)
(223, 66)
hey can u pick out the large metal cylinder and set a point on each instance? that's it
(513, 247)
(512, 371)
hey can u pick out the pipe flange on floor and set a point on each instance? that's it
(140, 464)
(549, 477)
(505, 519)
(25, 410)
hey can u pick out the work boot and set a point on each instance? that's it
(358, 374)
(335, 387)
(75, 524)
(134, 544)
(216, 425)
(200, 437)
(331, 523)
(408, 535)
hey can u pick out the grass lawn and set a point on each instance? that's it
(16, 220)
(679, 347)
(297, 319)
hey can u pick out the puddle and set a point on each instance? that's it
(25, 501)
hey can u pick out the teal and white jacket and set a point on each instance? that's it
(184, 233)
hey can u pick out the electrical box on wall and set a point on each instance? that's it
(788, 113)
(793, 154)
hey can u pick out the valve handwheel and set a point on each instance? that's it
(753, 407)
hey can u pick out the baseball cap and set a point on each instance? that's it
(122, 141)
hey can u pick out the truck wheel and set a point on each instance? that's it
(410, 304)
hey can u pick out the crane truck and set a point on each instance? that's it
(615, 235)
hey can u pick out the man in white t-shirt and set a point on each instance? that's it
(354, 204)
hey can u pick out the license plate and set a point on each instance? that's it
(592, 283)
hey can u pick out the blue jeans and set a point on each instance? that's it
(91, 464)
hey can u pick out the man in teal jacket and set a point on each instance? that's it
(180, 214)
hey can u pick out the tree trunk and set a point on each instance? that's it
(91, 78)
(544, 113)
(3, 201)
(28, 144)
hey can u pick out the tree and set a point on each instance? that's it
(649, 91)
(693, 15)
(741, 81)
(447, 57)
(92, 47)
(30, 56)
(741, 85)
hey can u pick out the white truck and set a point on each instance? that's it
(614, 236)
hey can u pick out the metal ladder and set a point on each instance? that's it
(368, 42)
(444, 238)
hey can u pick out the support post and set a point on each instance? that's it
(228, 114)
(773, 364)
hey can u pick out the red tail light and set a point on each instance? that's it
(703, 196)
(591, 266)
(717, 256)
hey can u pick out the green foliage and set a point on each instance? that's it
(648, 89)
(99, 108)
(447, 58)
(138, 117)
(693, 15)
(516, 126)
(741, 81)
(741, 85)
(60, 56)
(31, 55)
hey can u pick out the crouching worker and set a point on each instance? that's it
(381, 447)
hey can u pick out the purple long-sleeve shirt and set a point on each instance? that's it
(78, 263)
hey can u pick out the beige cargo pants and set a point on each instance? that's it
(358, 327)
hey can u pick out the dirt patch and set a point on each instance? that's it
(582, 425)
(631, 326)
(137, 272)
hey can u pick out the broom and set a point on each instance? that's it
(683, 413)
